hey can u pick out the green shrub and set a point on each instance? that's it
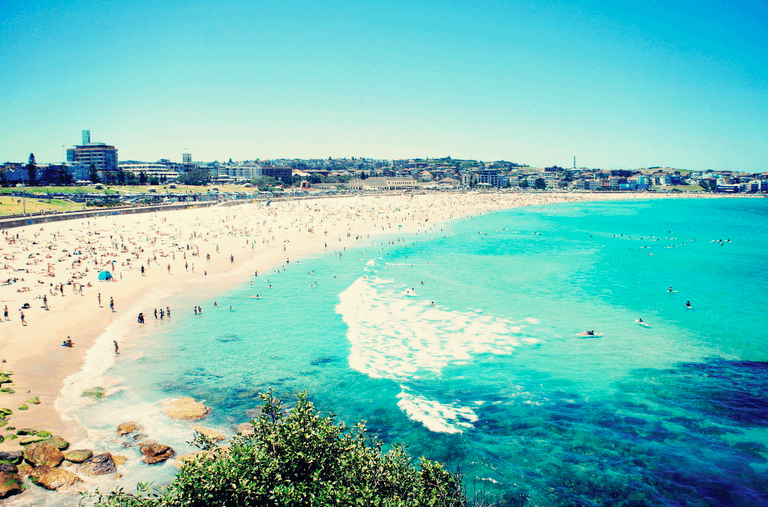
(299, 458)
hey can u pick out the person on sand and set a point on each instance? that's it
(23, 321)
(5, 313)
(116, 347)
(68, 342)
(111, 304)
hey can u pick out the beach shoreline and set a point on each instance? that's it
(160, 242)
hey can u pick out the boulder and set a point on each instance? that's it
(34, 401)
(58, 442)
(100, 464)
(10, 484)
(119, 460)
(245, 429)
(44, 433)
(27, 431)
(209, 433)
(9, 467)
(186, 409)
(78, 455)
(127, 428)
(52, 478)
(31, 439)
(43, 453)
(155, 453)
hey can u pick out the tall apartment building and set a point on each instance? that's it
(100, 155)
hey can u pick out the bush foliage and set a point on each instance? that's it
(298, 457)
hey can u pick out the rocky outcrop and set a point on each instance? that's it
(43, 453)
(186, 409)
(10, 484)
(127, 428)
(100, 464)
(78, 455)
(119, 460)
(209, 433)
(156, 453)
(53, 478)
(245, 429)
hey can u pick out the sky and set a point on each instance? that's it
(617, 85)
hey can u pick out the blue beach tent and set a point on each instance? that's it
(105, 275)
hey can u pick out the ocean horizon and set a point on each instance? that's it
(467, 344)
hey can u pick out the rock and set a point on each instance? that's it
(127, 427)
(27, 431)
(95, 392)
(43, 453)
(53, 478)
(8, 467)
(186, 409)
(7, 390)
(31, 439)
(25, 469)
(10, 484)
(253, 413)
(119, 460)
(44, 433)
(11, 437)
(245, 429)
(66, 463)
(34, 401)
(5, 379)
(78, 455)
(58, 442)
(209, 433)
(3, 422)
(6, 411)
(101, 464)
(23, 407)
(155, 453)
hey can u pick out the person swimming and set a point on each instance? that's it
(688, 304)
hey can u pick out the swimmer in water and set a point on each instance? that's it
(688, 304)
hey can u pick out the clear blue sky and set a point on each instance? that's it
(653, 83)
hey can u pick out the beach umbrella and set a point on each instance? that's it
(105, 275)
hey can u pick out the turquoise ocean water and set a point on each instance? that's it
(463, 344)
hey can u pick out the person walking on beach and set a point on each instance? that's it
(99, 297)
(116, 347)
(111, 304)
(23, 322)
(5, 313)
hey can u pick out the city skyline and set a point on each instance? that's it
(619, 86)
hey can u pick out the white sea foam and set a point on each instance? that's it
(436, 416)
(399, 336)
(101, 356)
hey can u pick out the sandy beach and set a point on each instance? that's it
(54, 269)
